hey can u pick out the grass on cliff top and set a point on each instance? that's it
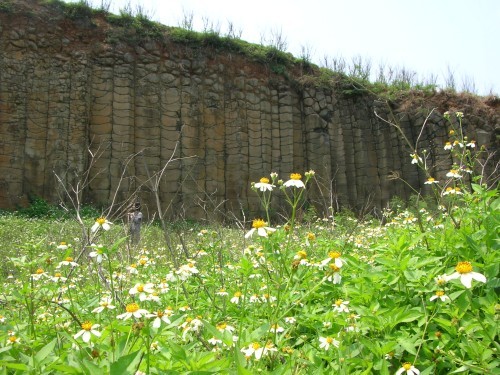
(351, 78)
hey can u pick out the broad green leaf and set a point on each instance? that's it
(126, 364)
(409, 316)
(45, 351)
(15, 366)
(408, 345)
(371, 346)
(64, 369)
(461, 369)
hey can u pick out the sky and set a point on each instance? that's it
(428, 37)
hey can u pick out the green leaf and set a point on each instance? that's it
(409, 316)
(64, 369)
(371, 346)
(495, 205)
(126, 364)
(45, 351)
(116, 245)
(257, 334)
(178, 352)
(455, 295)
(408, 345)
(16, 366)
(460, 369)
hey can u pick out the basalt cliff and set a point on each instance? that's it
(98, 108)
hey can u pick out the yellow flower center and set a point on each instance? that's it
(258, 223)
(140, 288)
(63, 243)
(264, 180)
(101, 220)
(302, 254)
(12, 339)
(39, 271)
(431, 179)
(295, 176)
(190, 265)
(440, 293)
(142, 262)
(132, 307)
(333, 267)
(339, 302)
(311, 236)
(407, 366)
(334, 254)
(237, 294)
(255, 345)
(57, 274)
(87, 326)
(133, 265)
(221, 326)
(69, 259)
(159, 313)
(329, 340)
(463, 267)
(453, 171)
(451, 133)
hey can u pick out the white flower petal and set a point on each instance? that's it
(249, 233)
(262, 232)
(466, 280)
(478, 277)
(86, 336)
(453, 276)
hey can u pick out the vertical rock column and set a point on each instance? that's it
(236, 141)
(100, 129)
(13, 121)
(170, 134)
(212, 109)
(192, 140)
(121, 167)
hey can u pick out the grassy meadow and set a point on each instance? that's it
(414, 291)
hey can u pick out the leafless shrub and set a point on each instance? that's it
(105, 5)
(187, 21)
(469, 85)
(276, 40)
(210, 27)
(127, 9)
(360, 68)
(232, 32)
(449, 80)
(336, 64)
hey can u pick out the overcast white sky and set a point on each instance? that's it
(430, 37)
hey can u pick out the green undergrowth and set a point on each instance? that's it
(325, 296)
(414, 290)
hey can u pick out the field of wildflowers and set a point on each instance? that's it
(412, 292)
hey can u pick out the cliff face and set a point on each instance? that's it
(73, 101)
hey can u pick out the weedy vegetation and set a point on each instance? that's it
(412, 292)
